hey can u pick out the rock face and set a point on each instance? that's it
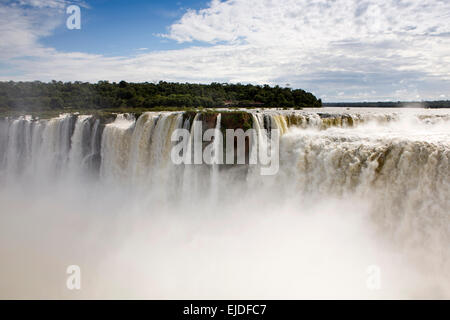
(237, 120)
(229, 119)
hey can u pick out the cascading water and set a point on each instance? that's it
(115, 151)
(392, 164)
(191, 183)
(79, 146)
(217, 160)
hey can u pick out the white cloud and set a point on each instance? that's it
(43, 3)
(375, 49)
(21, 29)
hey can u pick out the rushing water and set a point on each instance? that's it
(356, 188)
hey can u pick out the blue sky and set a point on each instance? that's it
(345, 50)
(118, 27)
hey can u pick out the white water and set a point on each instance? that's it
(217, 159)
(355, 188)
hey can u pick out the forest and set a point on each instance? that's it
(57, 95)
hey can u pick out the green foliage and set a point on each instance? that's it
(69, 96)
(236, 120)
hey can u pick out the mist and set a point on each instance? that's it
(346, 198)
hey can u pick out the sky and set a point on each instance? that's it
(340, 50)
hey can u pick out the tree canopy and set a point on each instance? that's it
(57, 95)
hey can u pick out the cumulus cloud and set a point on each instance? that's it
(42, 3)
(22, 27)
(340, 50)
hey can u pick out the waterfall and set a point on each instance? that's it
(55, 145)
(140, 162)
(190, 175)
(389, 167)
(138, 150)
(401, 172)
(4, 129)
(279, 122)
(330, 155)
(161, 170)
(217, 159)
(79, 146)
(259, 146)
(18, 146)
(32, 147)
(115, 150)
(92, 158)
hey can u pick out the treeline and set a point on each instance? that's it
(56, 95)
(398, 104)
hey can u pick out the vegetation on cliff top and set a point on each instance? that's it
(78, 96)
